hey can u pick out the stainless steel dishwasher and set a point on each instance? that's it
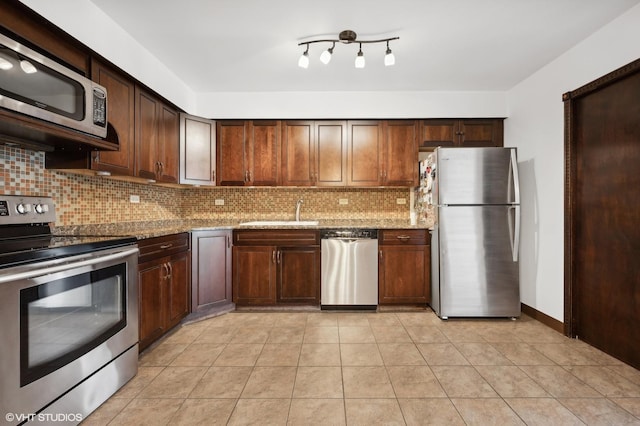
(349, 269)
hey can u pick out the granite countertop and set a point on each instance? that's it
(143, 230)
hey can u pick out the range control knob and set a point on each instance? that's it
(22, 208)
(41, 208)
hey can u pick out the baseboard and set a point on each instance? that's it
(543, 318)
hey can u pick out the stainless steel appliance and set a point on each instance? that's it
(349, 269)
(32, 84)
(475, 245)
(69, 315)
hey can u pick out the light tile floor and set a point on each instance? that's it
(332, 368)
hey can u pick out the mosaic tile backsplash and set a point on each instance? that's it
(85, 200)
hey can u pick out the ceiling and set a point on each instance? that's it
(445, 45)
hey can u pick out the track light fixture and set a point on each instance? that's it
(346, 37)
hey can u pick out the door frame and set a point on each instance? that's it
(570, 185)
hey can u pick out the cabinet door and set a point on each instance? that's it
(178, 284)
(151, 280)
(254, 275)
(481, 133)
(401, 153)
(264, 153)
(404, 274)
(146, 134)
(120, 112)
(298, 153)
(364, 156)
(298, 275)
(211, 269)
(331, 153)
(233, 167)
(168, 144)
(197, 150)
(437, 133)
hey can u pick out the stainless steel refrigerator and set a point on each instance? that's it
(476, 196)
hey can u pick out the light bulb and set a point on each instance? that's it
(27, 67)
(5, 65)
(389, 58)
(303, 62)
(325, 57)
(360, 59)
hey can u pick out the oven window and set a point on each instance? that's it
(62, 320)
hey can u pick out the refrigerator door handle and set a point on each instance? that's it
(514, 181)
(514, 231)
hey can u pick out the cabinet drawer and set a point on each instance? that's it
(280, 237)
(156, 247)
(404, 236)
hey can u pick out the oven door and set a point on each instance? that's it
(63, 320)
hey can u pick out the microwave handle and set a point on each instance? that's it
(37, 271)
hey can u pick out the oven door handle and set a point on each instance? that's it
(37, 272)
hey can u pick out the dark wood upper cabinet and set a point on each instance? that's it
(197, 150)
(330, 153)
(365, 152)
(401, 153)
(469, 132)
(231, 138)
(298, 153)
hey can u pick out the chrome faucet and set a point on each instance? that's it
(298, 205)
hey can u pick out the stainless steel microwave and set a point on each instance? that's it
(37, 86)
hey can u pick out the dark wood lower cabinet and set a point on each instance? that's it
(210, 270)
(254, 275)
(404, 267)
(298, 275)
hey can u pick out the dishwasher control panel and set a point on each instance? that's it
(368, 234)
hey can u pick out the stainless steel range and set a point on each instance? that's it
(69, 316)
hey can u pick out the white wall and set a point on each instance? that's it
(536, 127)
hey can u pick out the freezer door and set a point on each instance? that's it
(479, 274)
(468, 176)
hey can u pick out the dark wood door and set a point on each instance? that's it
(264, 153)
(254, 275)
(602, 268)
(211, 269)
(331, 153)
(120, 113)
(146, 134)
(404, 274)
(401, 153)
(233, 166)
(168, 144)
(151, 282)
(298, 153)
(178, 283)
(298, 275)
(365, 150)
(481, 133)
(439, 132)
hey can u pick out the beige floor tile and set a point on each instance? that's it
(559, 382)
(185, 334)
(306, 412)
(565, 354)
(216, 335)
(318, 382)
(239, 355)
(400, 354)
(203, 412)
(279, 354)
(228, 320)
(173, 382)
(426, 335)
(355, 319)
(594, 354)
(373, 412)
(627, 372)
(441, 354)
(366, 382)
(360, 354)
(499, 335)
(151, 412)
(599, 411)
(390, 334)
(417, 319)
(253, 412)
(140, 381)
(222, 382)
(290, 319)
(435, 411)
(256, 319)
(270, 382)
(486, 411)
(322, 319)
(328, 334)
(286, 335)
(251, 335)
(463, 382)
(462, 334)
(632, 405)
(384, 320)
(353, 334)
(482, 354)
(106, 412)
(414, 382)
(198, 355)
(542, 411)
(320, 354)
(511, 382)
(522, 354)
(605, 381)
(535, 333)
(161, 355)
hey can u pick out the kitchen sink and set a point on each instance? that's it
(281, 223)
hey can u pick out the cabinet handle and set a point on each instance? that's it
(165, 269)
(279, 257)
(166, 246)
(170, 269)
(250, 176)
(228, 241)
(96, 157)
(273, 257)
(246, 175)
(380, 251)
(403, 237)
(213, 176)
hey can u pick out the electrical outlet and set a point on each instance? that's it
(343, 201)
(219, 202)
(134, 198)
(401, 201)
